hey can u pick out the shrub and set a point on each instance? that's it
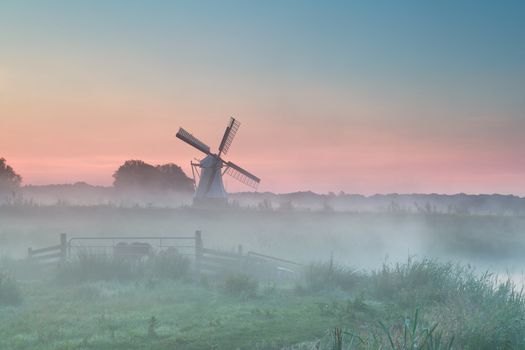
(102, 267)
(96, 267)
(9, 291)
(241, 285)
(323, 276)
(170, 264)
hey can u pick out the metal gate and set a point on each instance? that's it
(131, 245)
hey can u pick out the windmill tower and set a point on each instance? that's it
(210, 188)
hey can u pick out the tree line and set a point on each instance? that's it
(133, 175)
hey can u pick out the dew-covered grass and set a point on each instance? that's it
(419, 304)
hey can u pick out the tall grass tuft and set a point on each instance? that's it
(493, 316)
(329, 275)
(417, 282)
(10, 293)
(414, 336)
(482, 313)
(153, 324)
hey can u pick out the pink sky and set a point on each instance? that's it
(295, 138)
(48, 144)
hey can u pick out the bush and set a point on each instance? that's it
(98, 267)
(241, 285)
(170, 264)
(9, 291)
(324, 276)
(101, 267)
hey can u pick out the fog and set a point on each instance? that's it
(363, 240)
(259, 264)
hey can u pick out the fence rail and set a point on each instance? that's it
(52, 254)
(264, 256)
(45, 250)
(206, 260)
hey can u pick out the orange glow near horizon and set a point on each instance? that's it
(289, 158)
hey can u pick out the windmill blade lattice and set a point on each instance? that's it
(229, 134)
(242, 175)
(192, 140)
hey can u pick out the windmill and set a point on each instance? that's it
(210, 169)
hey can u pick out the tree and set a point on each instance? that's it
(135, 174)
(173, 178)
(9, 179)
(139, 175)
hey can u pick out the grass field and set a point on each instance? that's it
(370, 310)
(361, 302)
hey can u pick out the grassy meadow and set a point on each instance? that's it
(420, 304)
(368, 281)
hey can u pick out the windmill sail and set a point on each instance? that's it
(242, 175)
(229, 134)
(192, 140)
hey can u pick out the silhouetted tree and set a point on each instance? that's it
(139, 175)
(135, 174)
(174, 178)
(9, 179)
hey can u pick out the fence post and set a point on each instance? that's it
(241, 262)
(29, 253)
(63, 246)
(198, 250)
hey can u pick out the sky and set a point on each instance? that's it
(355, 96)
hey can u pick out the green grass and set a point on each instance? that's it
(422, 304)
(112, 315)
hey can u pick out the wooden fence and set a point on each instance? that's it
(49, 255)
(261, 266)
(206, 261)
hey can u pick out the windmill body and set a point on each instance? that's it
(210, 175)
(210, 188)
